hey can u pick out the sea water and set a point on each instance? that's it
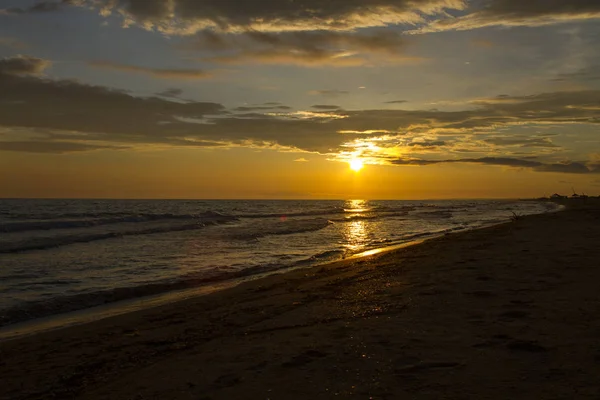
(64, 255)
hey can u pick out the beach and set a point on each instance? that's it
(509, 311)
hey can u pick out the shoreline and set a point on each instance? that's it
(135, 304)
(139, 304)
(465, 315)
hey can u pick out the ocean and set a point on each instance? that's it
(58, 256)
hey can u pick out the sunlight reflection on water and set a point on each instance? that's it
(355, 233)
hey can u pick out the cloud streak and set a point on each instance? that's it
(191, 16)
(569, 167)
(510, 13)
(302, 48)
(156, 72)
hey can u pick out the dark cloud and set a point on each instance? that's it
(325, 107)
(68, 111)
(190, 16)
(174, 93)
(521, 13)
(94, 111)
(509, 162)
(583, 75)
(157, 72)
(39, 7)
(396, 102)
(566, 167)
(23, 65)
(517, 8)
(568, 104)
(521, 141)
(428, 144)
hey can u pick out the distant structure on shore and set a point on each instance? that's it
(575, 195)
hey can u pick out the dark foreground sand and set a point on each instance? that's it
(509, 312)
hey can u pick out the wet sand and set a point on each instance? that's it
(508, 312)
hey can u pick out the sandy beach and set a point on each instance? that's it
(507, 312)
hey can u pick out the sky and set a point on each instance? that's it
(280, 98)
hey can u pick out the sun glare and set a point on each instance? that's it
(356, 165)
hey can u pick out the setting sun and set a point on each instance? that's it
(356, 165)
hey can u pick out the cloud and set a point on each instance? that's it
(521, 141)
(565, 167)
(594, 162)
(583, 75)
(263, 108)
(302, 48)
(23, 65)
(325, 107)
(430, 144)
(68, 110)
(285, 57)
(396, 102)
(171, 93)
(192, 16)
(510, 13)
(95, 117)
(301, 160)
(157, 72)
(384, 41)
(39, 7)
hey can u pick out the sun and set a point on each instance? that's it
(356, 164)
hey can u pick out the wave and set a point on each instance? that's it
(43, 243)
(327, 255)
(93, 221)
(83, 220)
(75, 302)
(328, 211)
(80, 301)
(286, 227)
(361, 217)
(434, 214)
(394, 209)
